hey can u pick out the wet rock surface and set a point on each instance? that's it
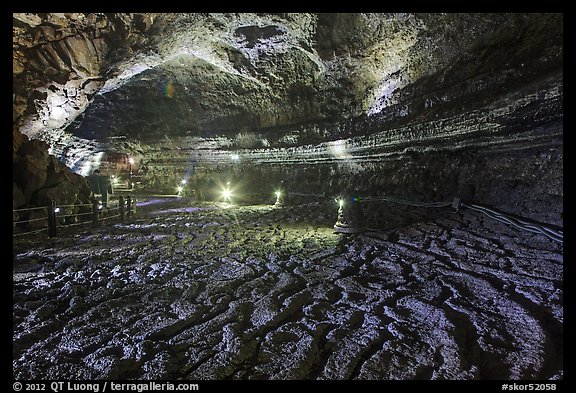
(201, 291)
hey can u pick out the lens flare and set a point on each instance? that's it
(169, 90)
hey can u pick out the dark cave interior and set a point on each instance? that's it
(288, 196)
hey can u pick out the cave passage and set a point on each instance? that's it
(288, 196)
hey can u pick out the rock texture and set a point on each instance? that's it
(254, 73)
(60, 61)
(197, 291)
(419, 106)
(184, 92)
(39, 178)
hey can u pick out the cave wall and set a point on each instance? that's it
(526, 183)
(498, 142)
(272, 74)
(425, 105)
(60, 61)
(39, 179)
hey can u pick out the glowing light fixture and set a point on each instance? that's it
(180, 189)
(183, 181)
(278, 194)
(131, 160)
(235, 157)
(340, 202)
(226, 194)
(56, 210)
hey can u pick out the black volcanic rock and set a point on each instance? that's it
(40, 178)
(298, 95)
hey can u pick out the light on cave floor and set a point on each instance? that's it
(180, 189)
(235, 157)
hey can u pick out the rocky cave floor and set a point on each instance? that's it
(198, 291)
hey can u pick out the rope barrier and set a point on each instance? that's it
(31, 220)
(30, 208)
(109, 217)
(73, 215)
(28, 233)
(119, 207)
(407, 202)
(519, 223)
(52, 212)
(84, 204)
(78, 214)
(76, 224)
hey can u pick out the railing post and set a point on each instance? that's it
(121, 204)
(129, 206)
(133, 206)
(52, 219)
(94, 213)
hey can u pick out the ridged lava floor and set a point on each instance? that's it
(202, 291)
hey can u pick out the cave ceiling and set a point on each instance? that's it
(149, 76)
